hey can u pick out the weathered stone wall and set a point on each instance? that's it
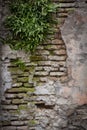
(48, 89)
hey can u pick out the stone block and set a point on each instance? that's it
(10, 107)
(38, 68)
(63, 69)
(41, 73)
(15, 71)
(37, 58)
(57, 73)
(62, 14)
(58, 63)
(20, 90)
(28, 85)
(62, 101)
(44, 52)
(18, 101)
(53, 47)
(60, 52)
(57, 41)
(9, 128)
(22, 79)
(18, 123)
(44, 63)
(6, 102)
(48, 69)
(67, 5)
(22, 128)
(17, 84)
(57, 58)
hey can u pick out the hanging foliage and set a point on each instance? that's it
(30, 23)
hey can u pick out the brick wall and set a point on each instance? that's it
(30, 91)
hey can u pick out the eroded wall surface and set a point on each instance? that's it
(48, 89)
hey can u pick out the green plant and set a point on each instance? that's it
(20, 64)
(30, 23)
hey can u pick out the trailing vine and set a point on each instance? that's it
(30, 23)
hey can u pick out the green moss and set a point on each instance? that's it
(15, 71)
(71, 10)
(18, 101)
(22, 107)
(32, 69)
(36, 58)
(12, 69)
(32, 122)
(40, 83)
(19, 63)
(52, 52)
(23, 79)
(25, 74)
(21, 90)
(27, 85)
(15, 112)
(35, 79)
(47, 47)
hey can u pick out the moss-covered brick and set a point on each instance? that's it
(51, 52)
(19, 64)
(21, 95)
(32, 122)
(52, 47)
(20, 90)
(37, 58)
(16, 71)
(25, 74)
(22, 79)
(35, 79)
(19, 101)
(16, 101)
(40, 83)
(22, 107)
(14, 76)
(47, 47)
(15, 112)
(32, 69)
(27, 85)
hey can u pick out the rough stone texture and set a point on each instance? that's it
(50, 92)
(65, 97)
(74, 34)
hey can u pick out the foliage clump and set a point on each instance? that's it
(20, 64)
(30, 23)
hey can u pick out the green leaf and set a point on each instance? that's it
(30, 23)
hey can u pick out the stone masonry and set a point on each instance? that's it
(47, 90)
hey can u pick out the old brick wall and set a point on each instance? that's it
(38, 93)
